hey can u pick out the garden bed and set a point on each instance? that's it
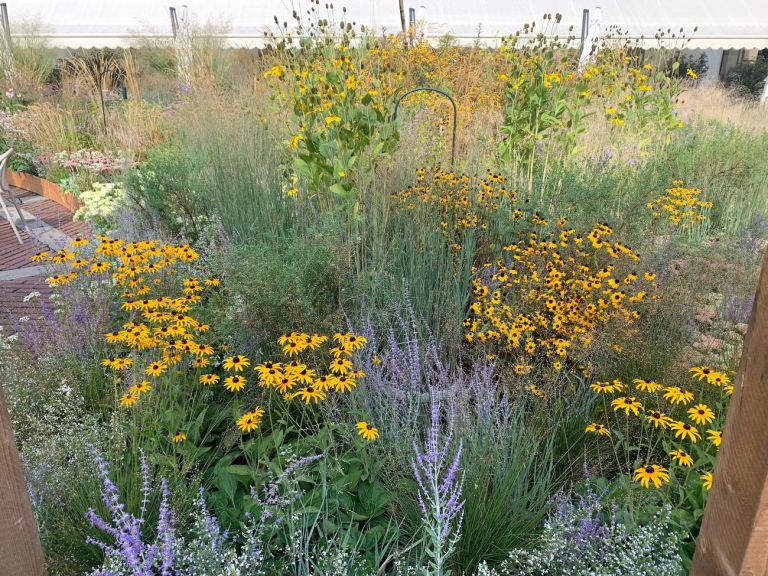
(45, 188)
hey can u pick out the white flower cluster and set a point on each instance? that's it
(101, 204)
(579, 544)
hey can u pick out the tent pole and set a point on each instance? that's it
(5, 23)
(174, 21)
(402, 23)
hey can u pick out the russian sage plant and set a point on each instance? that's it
(130, 554)
(440, 481)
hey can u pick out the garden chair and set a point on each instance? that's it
(7, 194)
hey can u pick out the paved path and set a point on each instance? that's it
(52, 227)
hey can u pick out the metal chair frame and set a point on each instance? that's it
(5, 189)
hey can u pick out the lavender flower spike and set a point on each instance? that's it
(440, 481)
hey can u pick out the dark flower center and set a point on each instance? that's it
(369, 427)
(650, 469)
(656, 415)
(701, 412)
(687, 426)
(235, 360)
(310, 390)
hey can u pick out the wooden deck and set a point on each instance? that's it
(18, 274)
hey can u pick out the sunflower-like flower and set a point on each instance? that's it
(682, 457)
(647, 385)
(367, 431)
(677, 395)
(236, 363)
(706, 480)
(234, 383)
(209, 379)
(141, 387)
(179, 437)
(718, 379)
(129, 398)
(341, 366)
(658, 419)
(700, 372)
(651, 473)
(596, 428)
(715, 436)
(250, 420)
(628, 404)
(701, 414)
(309, 394)
(343, 384)
(684, 430)
(607, 387)
(155, 369)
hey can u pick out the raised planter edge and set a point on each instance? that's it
(46, 188)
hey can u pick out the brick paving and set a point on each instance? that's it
(18, 276)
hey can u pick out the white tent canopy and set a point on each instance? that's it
(722, 24)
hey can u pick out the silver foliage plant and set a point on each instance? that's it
(578, 540)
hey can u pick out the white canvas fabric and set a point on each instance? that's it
(113, 23)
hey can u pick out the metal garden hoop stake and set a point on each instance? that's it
(455, 113)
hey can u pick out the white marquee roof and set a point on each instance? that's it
(113, 23)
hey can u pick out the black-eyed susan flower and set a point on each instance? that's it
(628, 404)
(285, 384)
(155, 369)
(367, 431)
(701, 414)
(317, 340)
(179, 437)
(658, 419)
(234, 383)
(682, 457)
(129, 398)
(677, 395)
(39, 257)
(718, 379)
(536, 391)
(684, 430)
(209, 379)
(715, 436)
(341, 365)
(141, 387)
(597, 428)
(309, 394)
(237, 363)
(344, 384)
(651, 473)
(647, 385)
(706, 480)
(700, 372)
(324, 382)
(250, 420)
(607, 387)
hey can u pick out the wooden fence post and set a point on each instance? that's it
(20, 550)
(734, 531)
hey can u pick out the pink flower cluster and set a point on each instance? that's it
(94, 161)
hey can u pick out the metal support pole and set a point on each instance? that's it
(402, 23)
(455, 113)
(174, 21)
(5, 23)
(584, 31)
